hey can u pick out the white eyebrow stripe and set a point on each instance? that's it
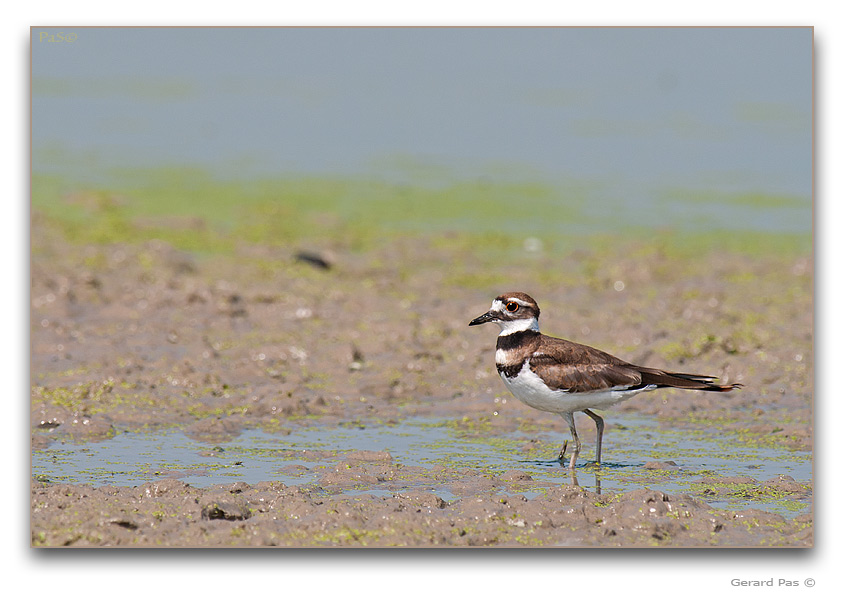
(499, 305)
(519, 301)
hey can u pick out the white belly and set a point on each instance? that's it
(530, 389)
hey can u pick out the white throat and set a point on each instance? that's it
(512, 326)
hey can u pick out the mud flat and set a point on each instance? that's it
(142, 337)
(171, 513)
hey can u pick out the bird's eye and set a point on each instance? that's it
(512, 306)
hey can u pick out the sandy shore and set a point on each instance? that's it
(145, 336)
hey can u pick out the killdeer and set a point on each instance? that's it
(563, 377)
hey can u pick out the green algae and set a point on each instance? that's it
(93, 397)
(770, 434)
(194, 210)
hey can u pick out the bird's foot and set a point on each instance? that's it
(562, 457)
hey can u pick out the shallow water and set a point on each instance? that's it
(303, 455)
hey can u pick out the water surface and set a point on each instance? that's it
(299, 458)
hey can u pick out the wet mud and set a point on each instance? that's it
(142, 337)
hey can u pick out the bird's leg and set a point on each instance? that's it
(569, 417)
(599, 425)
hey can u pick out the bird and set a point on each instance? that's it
(559, 376)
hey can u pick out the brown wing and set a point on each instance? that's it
(586, 378)
(565, 365)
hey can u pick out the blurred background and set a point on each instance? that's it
(534, 131)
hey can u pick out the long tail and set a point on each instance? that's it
(685, 381)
